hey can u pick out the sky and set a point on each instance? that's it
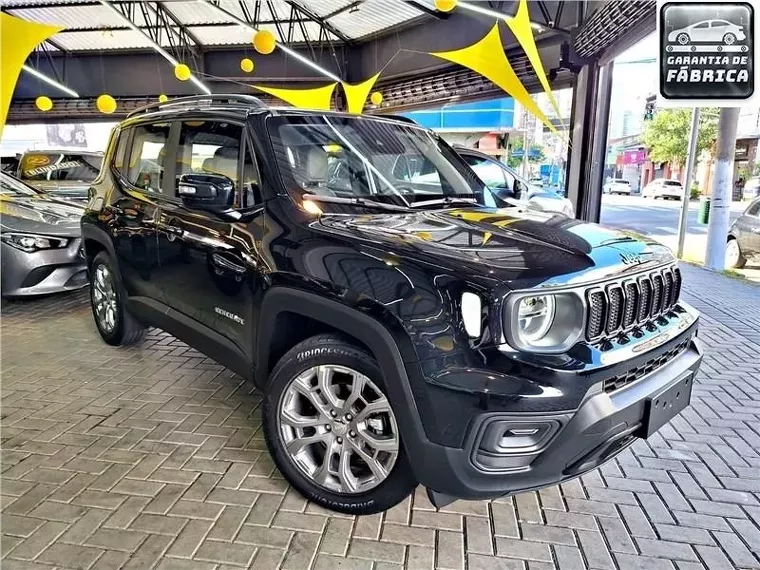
(631, 81)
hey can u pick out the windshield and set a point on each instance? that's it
(369, 159)
(60, 166)
(11, 187)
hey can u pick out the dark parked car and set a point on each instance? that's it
(66, 174)
(400, 331)
(744, 237)
(40, 242)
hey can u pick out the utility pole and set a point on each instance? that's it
(720, 200)
(690, 160)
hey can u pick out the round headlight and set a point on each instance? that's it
(535, 316)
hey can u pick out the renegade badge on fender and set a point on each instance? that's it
(402, 327)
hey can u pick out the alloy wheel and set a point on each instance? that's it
(682, 39)
(729, 39)
(732, 253)
(337, 426)
(104, 298)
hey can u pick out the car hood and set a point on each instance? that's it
(40, 215)
(519, 247)
(74, 190)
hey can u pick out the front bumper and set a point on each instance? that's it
(525, 448)
(42, 272)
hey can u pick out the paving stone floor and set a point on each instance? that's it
(152, 457)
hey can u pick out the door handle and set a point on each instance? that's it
(228, 264)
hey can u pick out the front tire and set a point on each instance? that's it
(734, 257)
(683, 39)
(331, 429)
(108, 302)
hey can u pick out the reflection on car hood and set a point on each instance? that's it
(40, 214)
(506, 245)
(73, 189)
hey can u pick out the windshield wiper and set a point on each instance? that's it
(354, 202)
(447, 201)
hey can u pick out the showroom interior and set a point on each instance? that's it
(145, 338)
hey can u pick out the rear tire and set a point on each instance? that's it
(321, 435)
(108, 302)
(734, 257)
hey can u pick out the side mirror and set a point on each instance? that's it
(519, 188)
(206, 191)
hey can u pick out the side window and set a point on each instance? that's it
(146, 157)
(120, 153)
(703, 25)
(488, 171)
(216, 147)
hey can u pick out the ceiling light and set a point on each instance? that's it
(493, 13)
(49, 81)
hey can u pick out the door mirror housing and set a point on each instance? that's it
(519, 189)
(206, 191)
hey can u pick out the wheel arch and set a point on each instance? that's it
(285, 308)
(357, 324)
(96, 240)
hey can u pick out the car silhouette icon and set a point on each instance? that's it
(711, 31)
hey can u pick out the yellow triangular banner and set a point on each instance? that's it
(521, 28)
(356, 95)
(310, 98)
(486, 57)
(18, 38)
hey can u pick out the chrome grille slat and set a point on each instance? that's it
(626, 303)
(631, 303)
(645, 308)
(596, 316)
(657, 295)
(616, 304)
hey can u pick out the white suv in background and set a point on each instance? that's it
(663, 188)
(617, 186)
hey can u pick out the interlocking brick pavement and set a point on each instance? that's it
(152, 457)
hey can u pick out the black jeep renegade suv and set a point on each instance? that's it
(403, 328)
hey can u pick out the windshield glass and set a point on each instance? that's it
(370, 159)
(60, 166)
(11, 187)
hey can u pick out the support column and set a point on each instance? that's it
(720, 198)
(590, 119)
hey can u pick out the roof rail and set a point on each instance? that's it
(399, 118)
(247, 100)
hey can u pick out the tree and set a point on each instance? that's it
(666, 136)
(535, 154)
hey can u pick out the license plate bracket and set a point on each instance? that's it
(664, 405)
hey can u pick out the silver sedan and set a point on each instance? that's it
(40, 242)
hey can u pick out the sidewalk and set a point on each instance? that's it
(152, 457)
(695, 247)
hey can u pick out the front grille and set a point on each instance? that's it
(625, 304)
(629, 377)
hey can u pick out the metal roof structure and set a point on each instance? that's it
(90, 26)
(109, 48)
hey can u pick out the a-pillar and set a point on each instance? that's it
(588, 139)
